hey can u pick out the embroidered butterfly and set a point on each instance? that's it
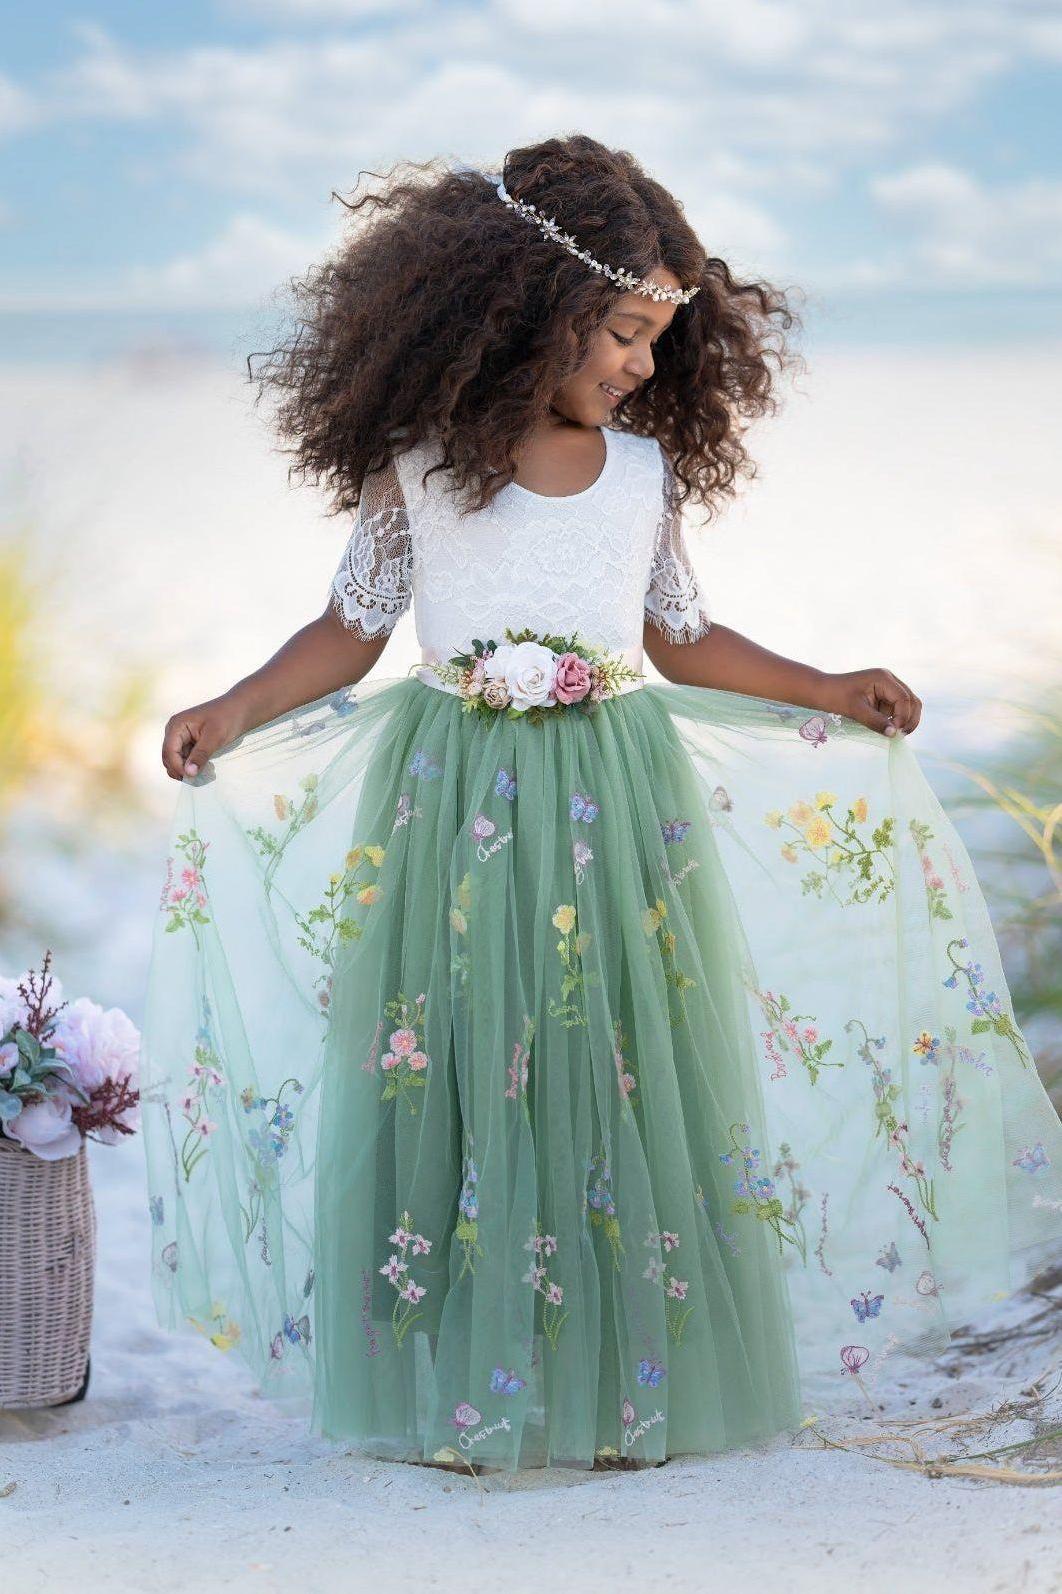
(721, 799)
(506, 1383)
(865, 1305)
(297, 1332)
(650, 1371)
(814, 730)
(890, 1257)
(341, 702)
(155, 1206)
(927, 1284)
(505, 785)
(675, 830)
(580, 806)
(1033, 1160)
(420, 764)
(482, 827)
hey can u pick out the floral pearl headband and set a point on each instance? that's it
(625, 279)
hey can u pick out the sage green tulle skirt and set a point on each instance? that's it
(614, 1084)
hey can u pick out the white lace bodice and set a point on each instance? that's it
(599, 562)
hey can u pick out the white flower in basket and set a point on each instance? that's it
(68, 1073)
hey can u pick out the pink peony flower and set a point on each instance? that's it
(98, 1045)
(573, 679)
(417, 1061)
(388, 1060)
(46, 1128)
(403, 1041)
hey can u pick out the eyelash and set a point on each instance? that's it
(628, 341)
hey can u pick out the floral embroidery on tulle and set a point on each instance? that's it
(520, 1067)
(936, 895)
(406, 1062)
(653, 924)
(602, 1205)
(837, 848)
(552, 1293)
(676, 1308)
(466, 1230)
(570, 949)
(461, 907)
(988, 1010)
(886, 1093)
(755, 1192)
(224, 1332)
(396, 1270)
(204, 1093)
(184, 899)
(787, 1168)
(786, 1035)
(625, 1077)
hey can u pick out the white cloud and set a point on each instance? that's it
(243, 265)
(970, 234)
(18, 108)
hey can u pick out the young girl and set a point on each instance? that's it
(543, 1066)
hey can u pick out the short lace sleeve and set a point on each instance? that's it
(673, 602)
(373, 587)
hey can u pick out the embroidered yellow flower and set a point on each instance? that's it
(650, 921)
(375, 855)
(801, 812)
(774, 818)
(369, 895)
(859, 809)
(353, 857)
(789, 853)
(837, 855)
(670, 941)
(458, 920)
(823, 799)
(464, 892)
(817, 833)
(564, 918)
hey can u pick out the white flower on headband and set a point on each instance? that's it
(625, 279)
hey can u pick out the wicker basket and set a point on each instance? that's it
(47, 1273)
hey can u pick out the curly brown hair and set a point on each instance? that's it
(444, 313)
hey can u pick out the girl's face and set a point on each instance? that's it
(621, 358)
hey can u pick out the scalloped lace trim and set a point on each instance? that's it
(673, 603)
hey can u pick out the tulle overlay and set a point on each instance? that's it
(615, 1083)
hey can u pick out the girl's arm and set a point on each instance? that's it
(734, 663)
(320, 658)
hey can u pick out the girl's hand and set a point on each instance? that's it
(193, 734)
(874, 697)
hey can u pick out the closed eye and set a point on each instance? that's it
(628, 341)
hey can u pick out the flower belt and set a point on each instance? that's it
(534, 675)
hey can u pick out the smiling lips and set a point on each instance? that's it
(615, 392)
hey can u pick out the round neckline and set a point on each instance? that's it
(584, 492)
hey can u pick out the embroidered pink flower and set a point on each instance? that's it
(388, 1060)
(418, 1060)
(677, 1288)
(403, 1041)
(669, 1241)
(421, 1246)
(554, 1295)
(393, 1269)
(413, 1292)
(400, 1237)
(573, 678)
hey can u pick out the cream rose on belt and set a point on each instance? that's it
(534, 675)
(528, 670)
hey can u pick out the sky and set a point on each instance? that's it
(164, 169)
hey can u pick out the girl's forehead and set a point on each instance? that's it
(636, 307)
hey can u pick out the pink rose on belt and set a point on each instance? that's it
(572, 681)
